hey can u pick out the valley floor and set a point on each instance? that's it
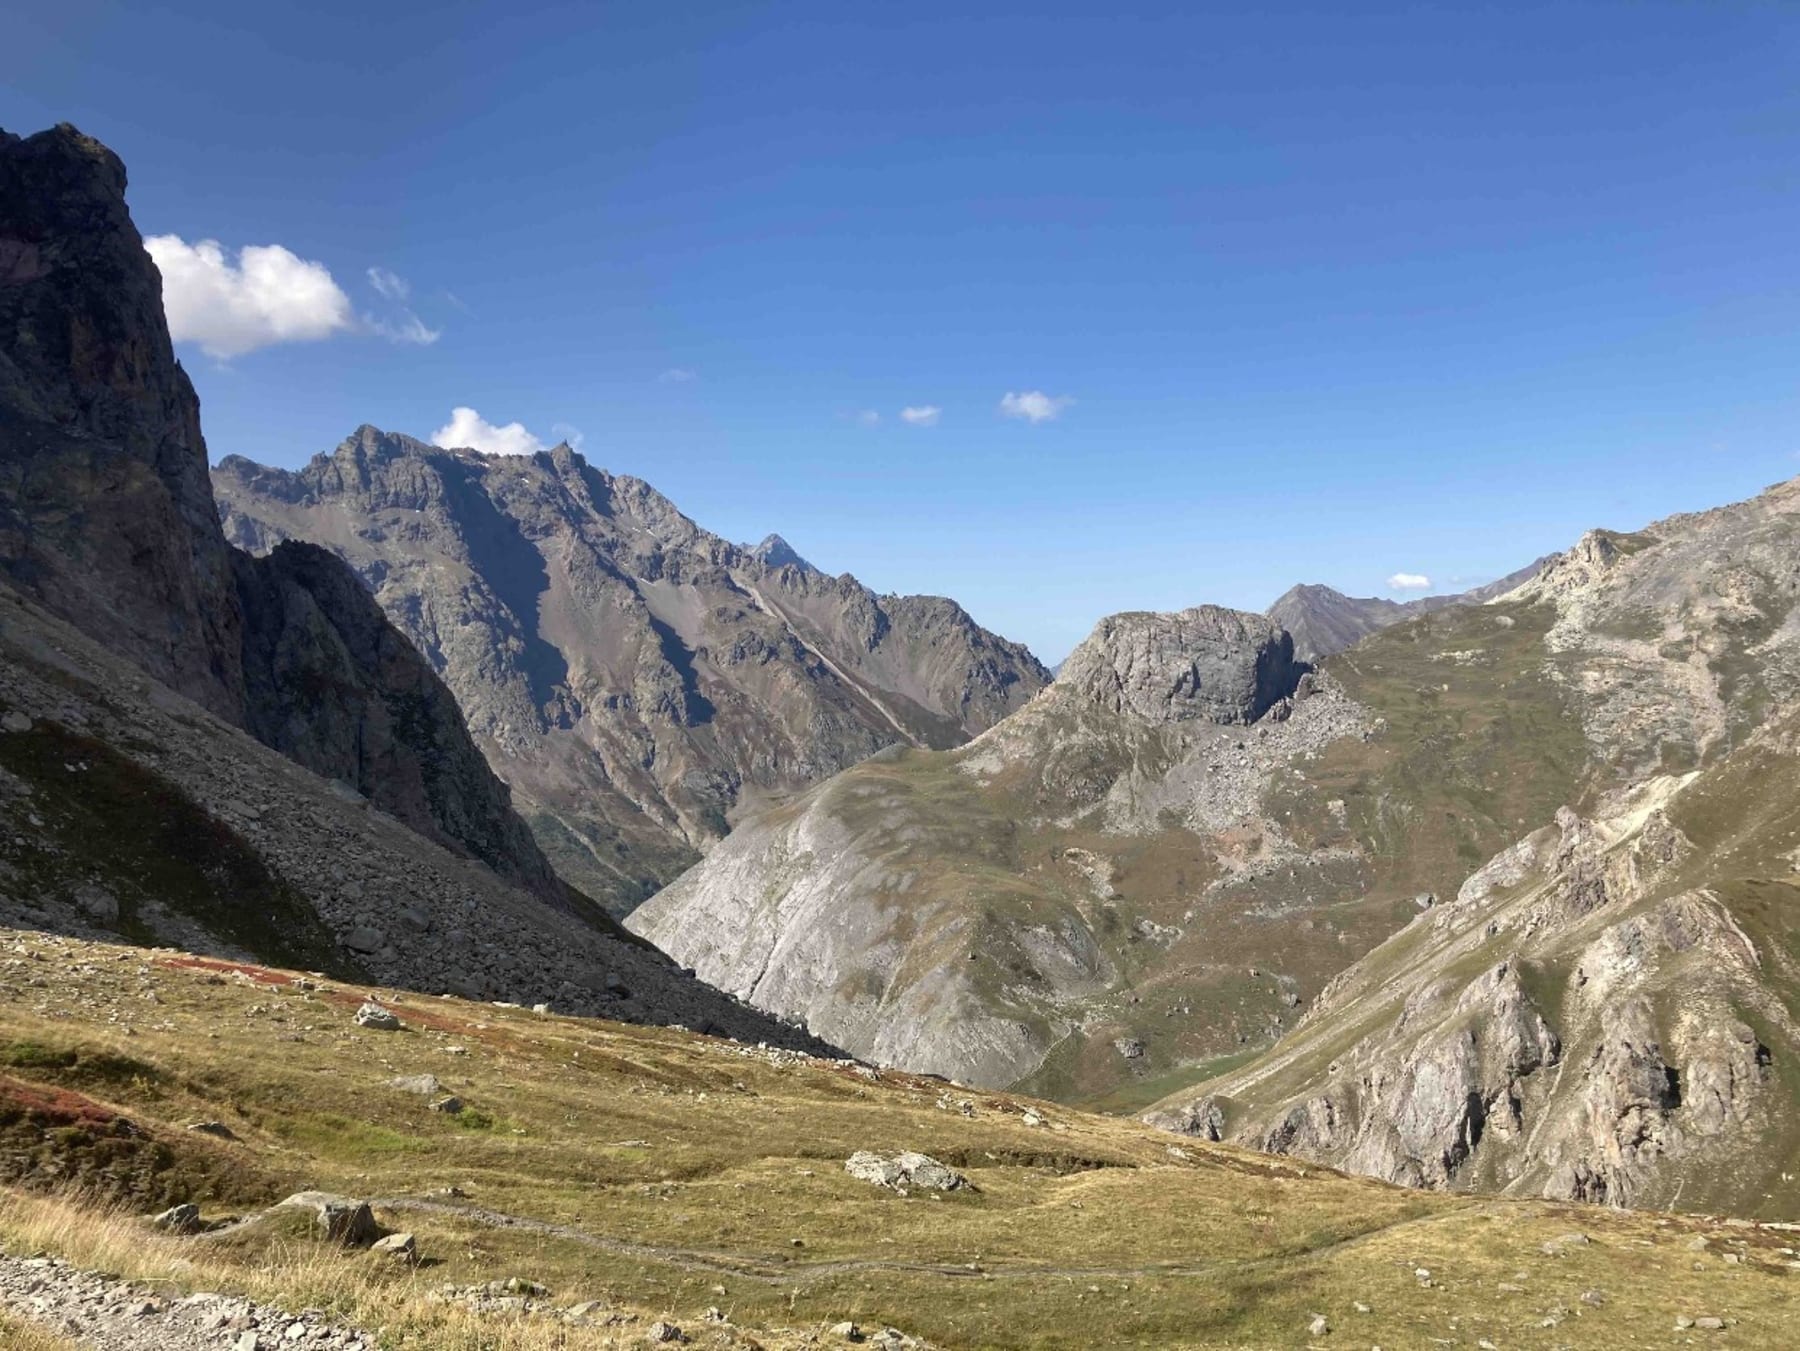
(659, 1185)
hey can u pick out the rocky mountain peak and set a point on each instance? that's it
(635, 677)
(1211, 663)
(775, 552)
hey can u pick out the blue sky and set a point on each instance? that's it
(1332, 292)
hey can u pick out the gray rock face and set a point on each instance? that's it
(634, 678)
(107, 519)
(1219, 665)
(105, 508)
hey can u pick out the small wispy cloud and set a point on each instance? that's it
(868, 418)
(926, 415)
(390, 284)
(1409, 581)
(407, 329)
(569, 433)
(468, 429)
(403, 326)
(677, 375)
(1034, 406)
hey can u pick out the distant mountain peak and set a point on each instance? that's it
(775, 552)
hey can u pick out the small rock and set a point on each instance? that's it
(373, 1015)
(1360, 1307)
(1593, 1298)
(217, 1129)
(666, 1332)
(365, 939)
(15, 721)
(181, 1219)
(450, 1106)
(247, 1341)
(540, 1008)
(848, 1332)
(425, 1085)
(398, 1247)
(1710, 1324)
(518, 1285)
(1129, 1047)
(1319, 1326)
(97, 903)
(340, 1219)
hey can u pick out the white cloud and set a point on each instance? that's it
(1034, 405)
(868, 418)
(468, 428)
(925, 416)
(1409, 581)
(409, 328)
(677, 375)
(269, 295)
(390, 284)
(564, 431)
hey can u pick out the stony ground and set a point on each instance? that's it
(109, 1314)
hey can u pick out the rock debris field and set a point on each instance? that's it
(115, 1315)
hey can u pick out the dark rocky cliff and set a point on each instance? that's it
(107, 518)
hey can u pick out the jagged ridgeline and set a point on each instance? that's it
(638, 681)
(233, 753)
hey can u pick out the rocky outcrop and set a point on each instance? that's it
(107, 519)
(1222, 666)
(335, 687)
(635, 679)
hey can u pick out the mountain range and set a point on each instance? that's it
(1489, 892)
(1324, 620)
(1498, 897)
(639, 682)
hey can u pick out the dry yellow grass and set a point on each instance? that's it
(664, 1173)
(20, 1334)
